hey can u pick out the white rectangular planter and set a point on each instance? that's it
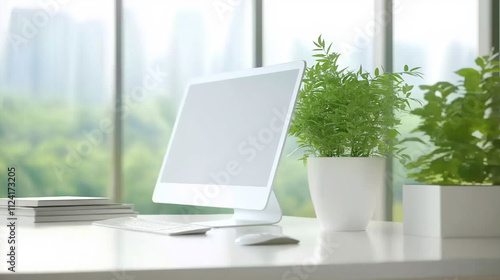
(451, 211)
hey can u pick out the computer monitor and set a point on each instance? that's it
(227, 141)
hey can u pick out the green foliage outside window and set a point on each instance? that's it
(37, 136)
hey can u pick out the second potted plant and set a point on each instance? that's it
(461, 124)
(346, 124)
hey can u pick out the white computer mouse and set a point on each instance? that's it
(265, 238)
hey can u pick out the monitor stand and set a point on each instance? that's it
(271, 214)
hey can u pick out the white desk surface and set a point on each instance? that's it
(81, 251)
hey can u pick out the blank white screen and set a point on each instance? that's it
(228, 131)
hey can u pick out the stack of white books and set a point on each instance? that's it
(64, 209)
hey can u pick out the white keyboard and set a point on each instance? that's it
(159, 227)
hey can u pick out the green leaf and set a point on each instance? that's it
(467, 72)
(480, 62)
(406, 68)
(392, 134)
(492, 70)
(472, 78)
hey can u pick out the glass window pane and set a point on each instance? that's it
(347, 24)
(55, 93)
(290, 27)
(167, 43)
(441, 42)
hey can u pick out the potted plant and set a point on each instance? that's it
(346, 124)
(461, 124)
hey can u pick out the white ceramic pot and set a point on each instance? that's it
(451, 211)
(344, 190)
